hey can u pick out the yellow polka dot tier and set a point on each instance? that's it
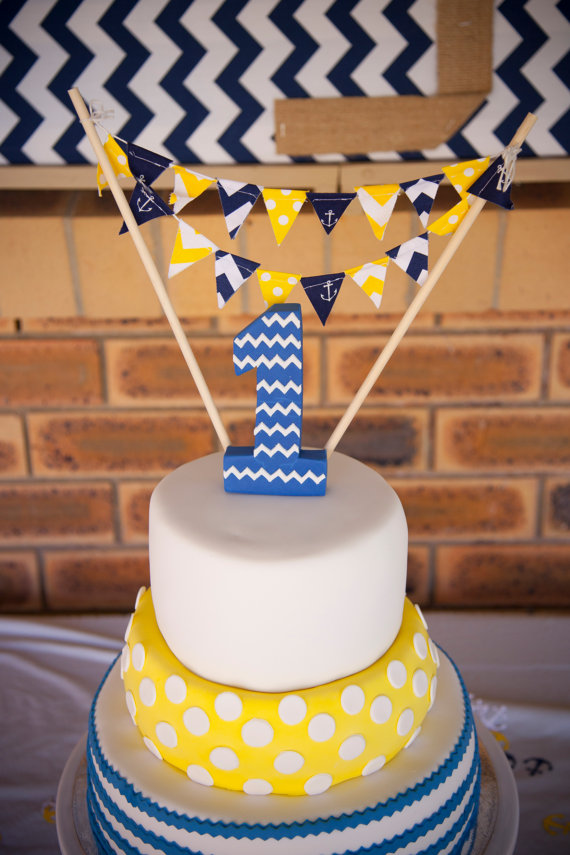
(293, 743)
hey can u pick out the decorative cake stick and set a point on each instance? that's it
(149, 265)
(417, 303)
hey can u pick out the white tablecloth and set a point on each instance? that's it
(516, 666)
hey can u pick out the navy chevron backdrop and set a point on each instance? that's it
(196, 79)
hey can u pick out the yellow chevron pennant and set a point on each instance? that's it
(448, 222)
(118, 160)
(275, 286)
(190, 246)
(188, 185)
(370, 277)
(462, 175)
(283, 207)
(378, 202)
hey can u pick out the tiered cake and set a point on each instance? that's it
(285, 695)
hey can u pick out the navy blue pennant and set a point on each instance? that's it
(231, 272)
(322, 291)
(237, 201)
(494, 185)
(146, 205)
(329, 207)
(421, 192)
(146, 165)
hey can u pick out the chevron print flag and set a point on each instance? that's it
(146, 205)
(146, 165)
(282, 208)
(231, 272)
(118, 160)
(322, 291)
(448, 222)
(276, 286)
(329, 207)
(237, 201)
(412, 257)
(462, 175)
(188, 185)
(421, 194)
(371, 277)
(378, 202)
(190, 246)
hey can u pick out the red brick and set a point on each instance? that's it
(518, 575)
(503, 439)
(119, 442)
(134, 498)
(12, 447)
(94, 580)
(7, 326)
(81, 326)
(56, 513)
(453, 509)
(556, 514)
(508, 320)
(20, 588)
(559, 385)
(441, 367)
(49, 372)
(418, 578)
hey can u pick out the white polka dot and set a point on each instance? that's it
(196, 721)
(257, 787)
(152, 747)
(469, 172)
(420, 683)
(321, 727)
(297, 205)
(421, 616)
(432, 692)
(199, 775)
(288, 762)
(292, 709)
(318, 784)
(397, 674)
(166, 734)
(405, 722)
(352, 747)
(129, 627)
(412, 737)
(131, 706)
(125, 659)
(374, 765)
(175, 689)
(420, 645)
(257, 732)
(434, 653)
(224, 758)
(352, 700)
(122, 159)
(270, 204)
(265, 276)
(138, 657)
(277, 291)
(292, 280)
(283, 220)
(381, 709)
(286, 192)
(453, 219)
(147, 691)
(459, 188)
(228, 706)
(140, 592)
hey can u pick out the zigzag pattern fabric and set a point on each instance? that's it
(412, 257)
(197, 81)
(421, 194)
(231, 272)
(190, 246)
(188, 185)
(237, 201)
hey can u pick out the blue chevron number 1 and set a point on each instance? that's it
(276, 464)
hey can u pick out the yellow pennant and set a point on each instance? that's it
(275, 286)
(378, 202)
(448, 222)
(462, 175)
(118, 160)
(190, 246)
(370, 277)
(188, 186)
(283, 207)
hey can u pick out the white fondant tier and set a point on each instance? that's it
(274, 593)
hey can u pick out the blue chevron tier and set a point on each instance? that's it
(275, 464)
(196, 81)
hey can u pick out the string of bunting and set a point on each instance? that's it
(489, 181)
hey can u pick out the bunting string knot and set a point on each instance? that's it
(506, 170)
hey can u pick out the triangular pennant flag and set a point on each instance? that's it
(146, 205)
(370, 277)
(421, 194)
(322, 291)
(188, 185)
(118, 160)
(146, 165)
(282, 208)
(412, 257)
(275, 286)
(378, 202)
(231, 272)
(237, 201)
(494, 185)
(190, 246)
(462, 175)
(329, 207)
(448, 222)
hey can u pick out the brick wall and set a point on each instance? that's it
(470, 422)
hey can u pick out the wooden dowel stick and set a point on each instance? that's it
(416, 304)
(149, 265)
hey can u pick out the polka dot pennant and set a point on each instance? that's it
(462, 175)
(118, 160)
(282, 209)
(448, 222)
(371, 277)
(275, 286)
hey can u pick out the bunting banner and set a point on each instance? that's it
(188, 185)
(146, 165)
(422, 193)
(276, 286)
(371, 277)
(118, 160)
(378, 203)
(494, 185)
(329, 207)
(462, 175)
(237, 201)
(282, 207)
(412, 257)
(190, 246)
(231, 272)
(322, 292)
(146, 205)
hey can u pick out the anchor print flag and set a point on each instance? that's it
(146, 165)
(276, 286)
(329, 207)
(494, 185)
(412, 257)
(231, 272)
(462, 175)
(282, 208)
(371, 277)
(378, 202)
(118, 160)
(190, 246)
(188, 185)
(146, 205)
(237, 201)
(322, 291)
(421, 194)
